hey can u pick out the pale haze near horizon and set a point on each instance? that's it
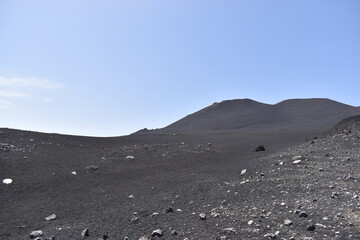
(110, 68)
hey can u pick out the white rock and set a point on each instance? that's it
(130, 157)
(51, 217)
(298, 157)
(73, 173)
(288, 222)
(157, 233)
(7, 181)
(154, 214)
(296, 161)
(243, 171)
(250, 222)
(35, 234)
(131, 196)
(202, 216)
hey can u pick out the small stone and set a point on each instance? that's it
(229, 230)
(303, 214)
(243, 171)
(202, 216)
(7, 181)
(174, 232)
(73, 173)
(270, 236)
(334, 194)
(85, 232)
(130, 157)
(250, 222)
(298, 157)
(134, 220)
(169, 209)
(297, 161)
(126, 238)
(92, 167)
(35, 234)
(131, 196)
(288, 222)
(51, 217)
(156, 233)
(154, 214)
(260, 148)
(311, 227)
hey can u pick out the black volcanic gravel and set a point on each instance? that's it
(89, 183)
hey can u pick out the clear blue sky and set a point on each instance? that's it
(108, 68)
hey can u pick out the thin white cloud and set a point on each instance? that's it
(5, 104)
(21, 82)
(11, 94)
(47, 99)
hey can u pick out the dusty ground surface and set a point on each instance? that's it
(121, 197)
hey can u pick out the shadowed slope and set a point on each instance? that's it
(347, 125)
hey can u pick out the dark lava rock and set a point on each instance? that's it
(303, 214)
(260, 148)
(105, 236)
(169, 210)
(311, 227)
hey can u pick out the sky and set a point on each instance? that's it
(110, 68)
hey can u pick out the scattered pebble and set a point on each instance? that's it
(156, 233)
(35, 234)
(85, 232)
(229, 230)
(202, 216)
(311, 227)
(7, 181)
(51, 217)
(288, 222)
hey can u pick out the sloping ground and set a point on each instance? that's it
(186, 173)
(348, 125)
(246, 114)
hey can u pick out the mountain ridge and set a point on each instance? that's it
(248, 114)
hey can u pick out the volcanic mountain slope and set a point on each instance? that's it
(348, 125)
(189, 187)
(246, 114)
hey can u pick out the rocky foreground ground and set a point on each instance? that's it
(310, 191)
